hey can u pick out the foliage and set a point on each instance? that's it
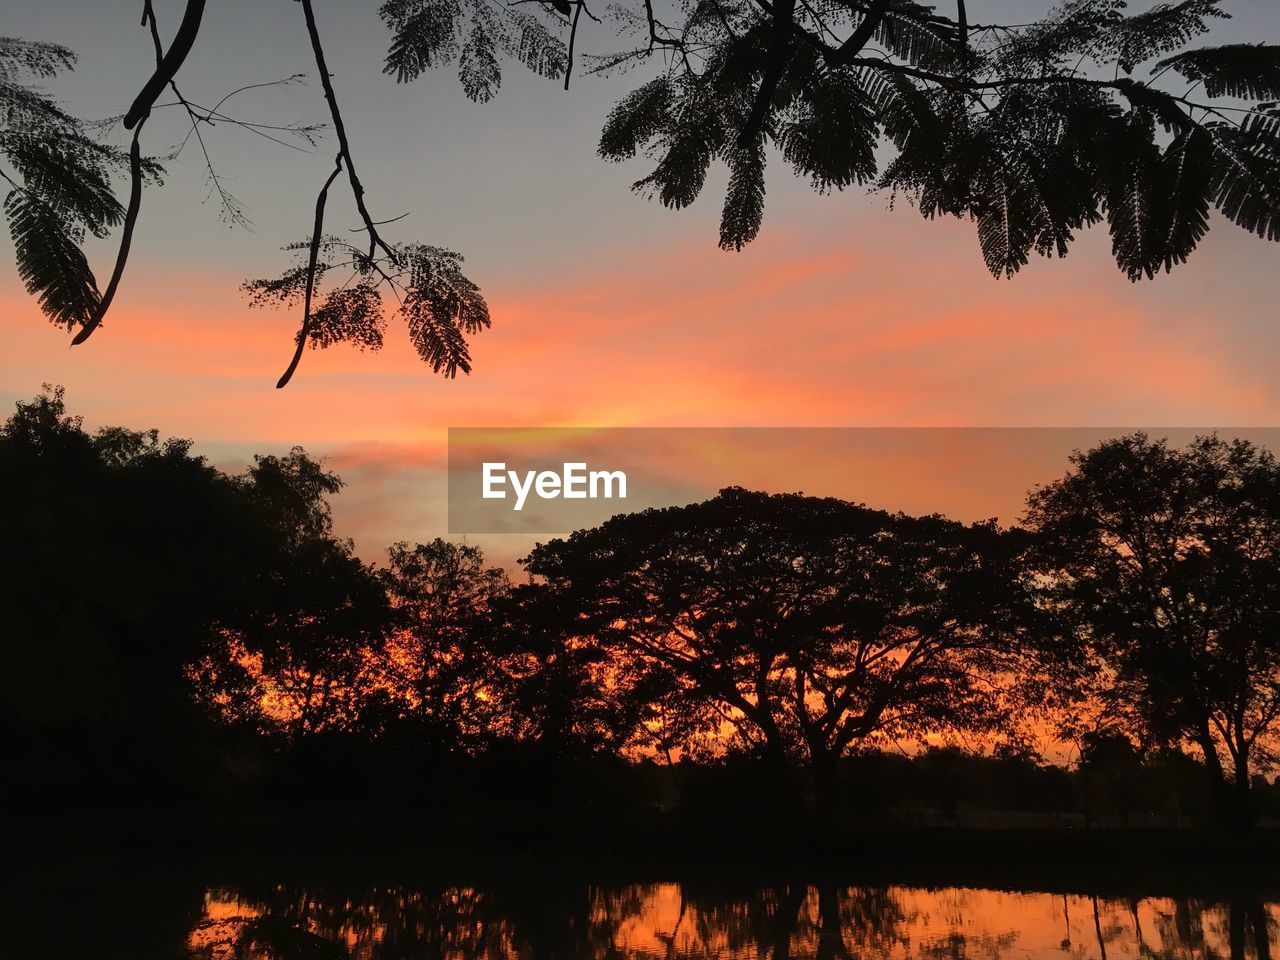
(1031, 131)
(442, 671)
(440, 306)
(812, 627)
(173, 626)
(106, 600)
(58, 173)
(1168, 563)
(431, 33)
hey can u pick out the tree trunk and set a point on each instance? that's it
(1260, 921)
(825, 788)
(1224, 799)
(1242, 798)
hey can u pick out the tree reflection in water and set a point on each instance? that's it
(557, 920)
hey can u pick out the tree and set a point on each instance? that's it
(1167, 561)
(300, 652)
(441, 662)
(122, 551)
(567, 697)
(65, 189)
(59, 176)
(1032, 130)
(813, 627)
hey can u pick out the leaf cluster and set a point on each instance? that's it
(58, 173)
(439, 304)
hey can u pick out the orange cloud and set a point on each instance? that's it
(896, 325)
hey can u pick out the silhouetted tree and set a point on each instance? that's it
(121, 551)
(301, 653)
(59, 175)
(814, 627)
(565, 695)
(442, 659)
(1110, 767)
(1032, 130)
(1168, 561)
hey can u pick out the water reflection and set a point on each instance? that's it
(670, 921)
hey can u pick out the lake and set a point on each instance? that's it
(549, 916)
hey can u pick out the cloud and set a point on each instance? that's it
(887, 322)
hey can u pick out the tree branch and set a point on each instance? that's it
(169, 64)
(863, 31)
(344, 146)
(780, 41)
(573, 36)
(312, 261)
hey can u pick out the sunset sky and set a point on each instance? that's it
(608, 310)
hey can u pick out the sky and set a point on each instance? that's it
(608, 310)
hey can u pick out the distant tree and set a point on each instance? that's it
(1032, 130)
(1111, 773)
(441, 661)
(814, 627)
(299, 653)
(564, 695)
(1168, 563)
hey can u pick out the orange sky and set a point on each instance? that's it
(889, 321)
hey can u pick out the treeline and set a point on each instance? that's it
(176, 634)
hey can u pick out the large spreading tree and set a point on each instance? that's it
(1032, 130)
(812, 627)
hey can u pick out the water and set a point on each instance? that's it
(550, 917)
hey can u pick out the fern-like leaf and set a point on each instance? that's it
(478, 68)
(1133, 199)
(1247, 70)
(681, 172)
(425, 34)
(911, 32)
(744, 200)
(829, 133)
(350, 315)
(33, 58)
(1187, 167)
(1246, 174)
(537, 47)
(50, 261)
(636, 119)
(66, 172)
(441, 306)
(1163, 27)
(1008, 211)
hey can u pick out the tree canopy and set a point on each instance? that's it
(1168, 563)
(810, 627)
